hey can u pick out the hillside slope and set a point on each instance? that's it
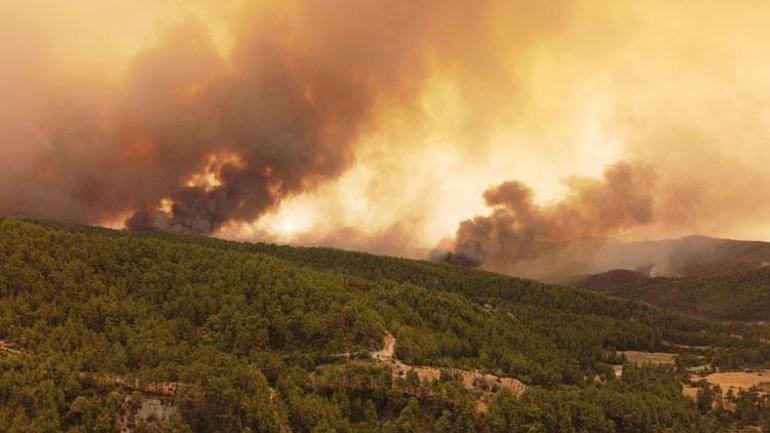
(743, 296)
(244, 331)
(687, 256)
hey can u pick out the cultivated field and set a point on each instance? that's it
(655, 358)
(738, 380)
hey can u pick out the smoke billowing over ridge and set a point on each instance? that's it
(379, 125)
(519, 231)
(192, 139)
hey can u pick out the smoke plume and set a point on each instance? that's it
(520, 231)
(192, 139)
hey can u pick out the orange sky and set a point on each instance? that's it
(462, 96)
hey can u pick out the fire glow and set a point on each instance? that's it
(210, 177)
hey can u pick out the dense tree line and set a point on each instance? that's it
(245, 326)
(741, 295)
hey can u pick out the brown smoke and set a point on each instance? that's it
(191, 140)
(518, 230)
(194, 139)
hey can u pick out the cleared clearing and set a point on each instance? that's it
(690, 391)
(737, 380)
(654, 358)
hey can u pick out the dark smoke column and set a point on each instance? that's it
(263, 129)
(192, 138)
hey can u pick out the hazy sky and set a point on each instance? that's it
(380, 124)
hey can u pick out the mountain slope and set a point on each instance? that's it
(741, 295)
(244, 330)
(688, 256)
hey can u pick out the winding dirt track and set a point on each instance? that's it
(7, 348)
(472, 380)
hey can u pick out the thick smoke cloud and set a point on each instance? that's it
(264, 129)
(518, 232)
(190, 139)
(219, 141)
(193, 137)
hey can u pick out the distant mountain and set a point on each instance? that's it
(688, 256)
(610, 280)
(701, 256)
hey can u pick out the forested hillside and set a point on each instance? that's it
(246, 334)
(741, 295)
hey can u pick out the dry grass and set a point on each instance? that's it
(428, 374)
(738, 380)
(690, 391)
(655, 358)
(7, 349)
